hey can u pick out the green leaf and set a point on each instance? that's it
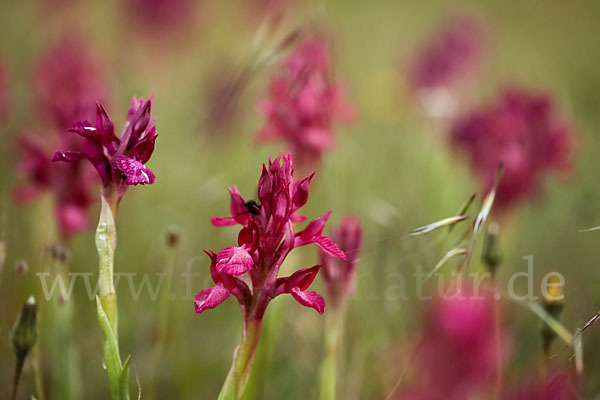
(106, 241)
(124, 386)
(112, 360)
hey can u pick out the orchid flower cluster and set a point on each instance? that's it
(250, 270)
(449, 57)
(522, 131)
(67, 83)
(70, 185)
(303, 104)
(266, 238)
(3, 92)
(161, 16)
(339, 273)
(119, 161)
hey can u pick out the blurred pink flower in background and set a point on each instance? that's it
(523, 131)
(69, 80)
(304, 102)
(339, 274)
(158, 16)
(457, 357)
(445, 63)
(558, 387)
(69, 184)
(450, 56)
(67, 83)
(35, 165)
(262, 9)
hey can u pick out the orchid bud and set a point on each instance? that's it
(24, 333)
(491, 256)
(300, 195)
(265, 186)
(553, 303)
(172, 237)
(21, 267)
(143, 120)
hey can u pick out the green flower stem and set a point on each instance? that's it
(334, 321)
(36, 355)
(163, 322)
(243, 357)
(63, 352)
(256, 388)
(106, 241)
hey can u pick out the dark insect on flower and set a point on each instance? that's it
(252, 207)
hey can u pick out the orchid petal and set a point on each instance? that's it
(329, 247)
(302, 278)
(68, 156)
(309, 299)
(314, 228)
(135, 172)
(297, 218)
(210, 298)
(234, 260)
(300, 192)
(220, 221)
(239, 212)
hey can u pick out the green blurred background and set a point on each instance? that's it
(391, 167)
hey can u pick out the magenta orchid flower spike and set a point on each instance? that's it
(339, 283)
(68, 82)
(249, 271)
(118, 160)
(522, 131)
(157, 17)
(303, 104)
(3, 92)
(70, 185)
(457, 356)
(337, 273)
(450, 56)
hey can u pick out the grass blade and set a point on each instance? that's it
(437, 225)
(447, 256)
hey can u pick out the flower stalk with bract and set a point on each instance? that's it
(250, 270)
(119, 162)
(339, 276)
